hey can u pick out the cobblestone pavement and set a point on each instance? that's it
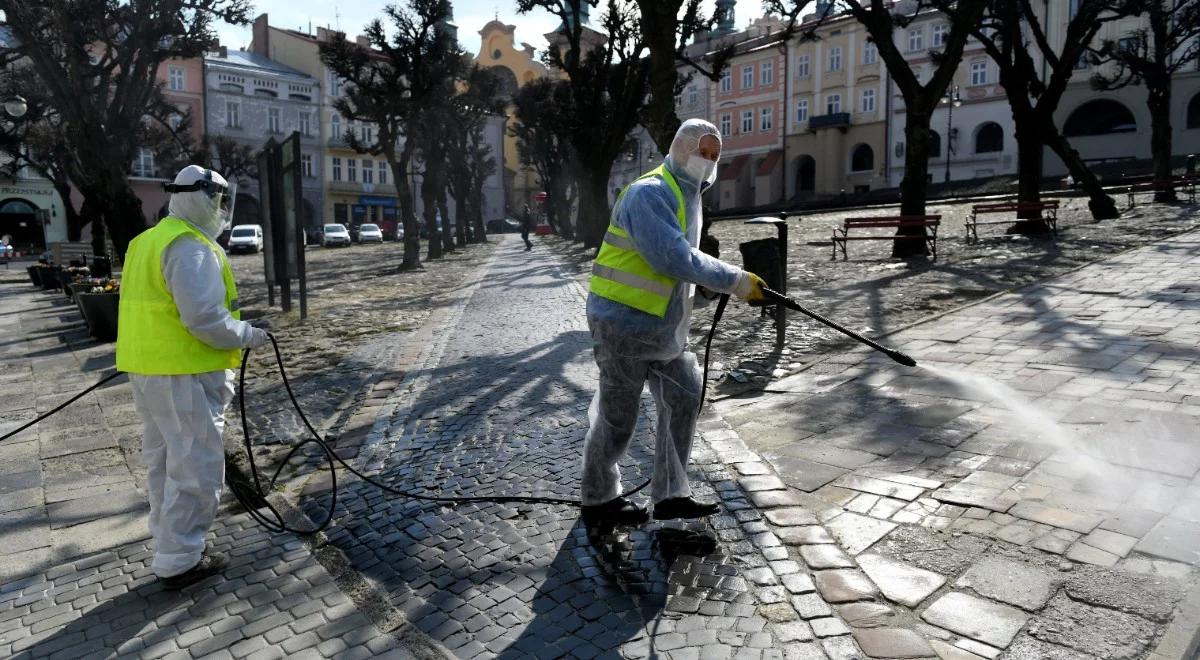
(500, 409)
(1034, 493)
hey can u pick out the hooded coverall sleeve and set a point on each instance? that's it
(648, 214)
(193, 275)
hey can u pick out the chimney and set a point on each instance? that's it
(323, 34)
(362, 41)
(224, 51)
(260, 37)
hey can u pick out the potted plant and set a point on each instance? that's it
(35, 274)
(70, 275)
(99, 307)
(49, 277)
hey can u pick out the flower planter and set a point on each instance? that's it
(50, 279)
(100, 312)
(35, 275)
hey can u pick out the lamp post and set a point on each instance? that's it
(952, 100)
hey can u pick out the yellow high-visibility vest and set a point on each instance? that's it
(151, 338)
(622, 275)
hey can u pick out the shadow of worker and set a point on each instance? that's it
(606, 586)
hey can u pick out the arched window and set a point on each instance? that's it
(1193, 112)
(862, 159)
(1099, 117)
(935, 144)
(989, 138)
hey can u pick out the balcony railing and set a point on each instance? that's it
(832, 120)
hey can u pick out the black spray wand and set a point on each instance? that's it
(775, 296)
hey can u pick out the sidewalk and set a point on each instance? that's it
(1049, 485)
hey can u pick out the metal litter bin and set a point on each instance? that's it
(767, 258)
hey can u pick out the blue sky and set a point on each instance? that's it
(470, 15)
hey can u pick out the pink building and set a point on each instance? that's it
(748, 108)
(183, 85)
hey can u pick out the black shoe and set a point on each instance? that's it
(209, 564)
(619, 511)
(683, 507)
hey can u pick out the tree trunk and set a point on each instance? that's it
(430, 211)
(1158, 99)
(479, 235)
(122, 212)
(88, 212)
(1101, 205)
(408, 217)
(1030, 157)
(593, 207)
(659, 20)
(74, 218)
(914, 188)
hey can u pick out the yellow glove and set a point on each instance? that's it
(754, 295)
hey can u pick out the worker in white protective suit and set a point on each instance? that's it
(179, 337)
(639, 309)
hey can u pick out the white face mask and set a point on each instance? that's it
(701, 169)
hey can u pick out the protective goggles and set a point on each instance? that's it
(207, 184)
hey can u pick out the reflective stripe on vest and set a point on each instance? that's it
(622, 275)
(151, 337)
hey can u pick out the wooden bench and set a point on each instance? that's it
(1047, 210)
(1186, 183)
(928, 222)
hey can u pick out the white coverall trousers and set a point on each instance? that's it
(183, 418)
(675, 385)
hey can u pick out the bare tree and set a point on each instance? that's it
(387, 85)
(607, 72)
(1150, 56)
(97, 64)
(1013, 33)
(470, 162)
(543, 132)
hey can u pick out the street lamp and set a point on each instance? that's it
(953, 100)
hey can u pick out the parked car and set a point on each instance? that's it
(335, 234)
(503, 226)
(246, 238)
(369, 233)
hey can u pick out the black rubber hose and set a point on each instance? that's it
(896, 355)
(254, 500)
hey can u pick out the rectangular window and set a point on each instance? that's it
(727, 81)
(368, 171)
(835, 58)
(233, 114)
(305, 124)
(383, 172)
(747, 121)
(802, 66)
(979, 73)
(916, 39)
(766, 118)
(273, 120)
(306, 165)
(726, 125)
(351, 170)
(335, 127)
(335, 85)
(766, 73)
(691, 92)
(870, 53)
(941, 32)
(143, 165)
(867, 104)
(366, 133)
(747, 77)
(801, 111)
(833, 104)
(175, 79)
(337, 169)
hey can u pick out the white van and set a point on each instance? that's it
(246, 238)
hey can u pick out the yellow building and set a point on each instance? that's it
(515, 67)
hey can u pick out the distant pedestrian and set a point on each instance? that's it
(526, 227)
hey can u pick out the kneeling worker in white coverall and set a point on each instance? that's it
(179, 337)
(639, 311)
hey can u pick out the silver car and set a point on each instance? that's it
(335, 234)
